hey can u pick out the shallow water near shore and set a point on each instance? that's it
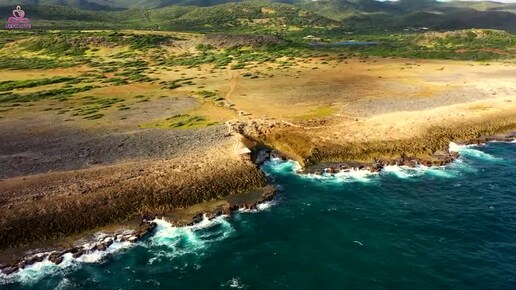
(404, 228)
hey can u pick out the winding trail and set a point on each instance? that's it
(232, 86)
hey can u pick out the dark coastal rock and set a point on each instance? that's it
(268, 195)
(101, 247)
(144, 229)
(197, 219)
(378, 166)
(78, 254)
(22, 264)
(56, 258)
(226, 210)
(375, 169)
(252, 206)
(34, 259)
(407, 162)
(344, 167)
(214, 214)
(8, 270)
(148, 218)
(72, 250)
(125, 238)
(109, 241)
(93, 249)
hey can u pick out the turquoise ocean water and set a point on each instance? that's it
(441, 228)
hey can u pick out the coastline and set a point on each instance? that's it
(60, 204)
(182, 194)
(134, 231)
(63, 181)
(138, 229)
(184, 190)
(426, 144)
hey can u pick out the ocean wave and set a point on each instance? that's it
(343, 176)
(259, 207)
(39, 270)
(455, 168)
(182, 240)
(166, 241)
(189, 239)
(448, 171)
(278, 165)
(470, 151)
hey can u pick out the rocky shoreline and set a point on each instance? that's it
(439, 159)
(314, 144)
(144, 230)
(261, 153)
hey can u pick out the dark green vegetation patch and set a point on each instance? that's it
(58, 94)
(11, 85)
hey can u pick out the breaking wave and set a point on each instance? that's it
(350, 176)
(471, 151)
(177, 241)
(33, 273)
(454, 169)
(448, 171)
(278, 165)
(168, 241)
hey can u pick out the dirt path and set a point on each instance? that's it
(232, 86)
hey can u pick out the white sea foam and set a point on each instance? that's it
(470, 151)
(265, 205)
(403, 171)
(37, 271)
(451, 170)
(235, 283)
(190, 239)
(342, 176)
(408, 172)
(446, 172)
(279, 165)
(177, 241)
(259, 207)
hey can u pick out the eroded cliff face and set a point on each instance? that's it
(54, 205)
(329, 141)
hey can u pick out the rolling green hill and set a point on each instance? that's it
(352, 15)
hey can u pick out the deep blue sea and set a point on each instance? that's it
(426, 228)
